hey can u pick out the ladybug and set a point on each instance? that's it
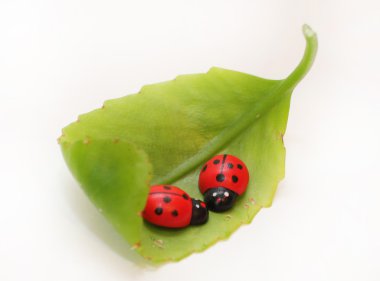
(222, 179)
(170, 206)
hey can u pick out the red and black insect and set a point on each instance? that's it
(170, 206)
(222, 179)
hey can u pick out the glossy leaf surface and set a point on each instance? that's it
(165, 133)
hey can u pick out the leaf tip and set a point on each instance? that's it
(308, 31)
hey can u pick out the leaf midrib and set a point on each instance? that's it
(248, 119)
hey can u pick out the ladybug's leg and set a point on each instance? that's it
(220, 199)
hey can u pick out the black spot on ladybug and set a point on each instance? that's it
(230, 165)
(239, 166)
(175, 213)
(217, 161)
(158, 211)
(204, 168)
(235, 178)
(167, 187)
(220, 177)
(167, 199)
(185, 196)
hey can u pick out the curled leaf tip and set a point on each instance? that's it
(307, 60)
(308, 31)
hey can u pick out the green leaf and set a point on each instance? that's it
(115, 176)
(174, 127)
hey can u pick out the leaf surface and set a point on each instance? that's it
(164, 134)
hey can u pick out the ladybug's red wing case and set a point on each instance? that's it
(168, 206)
(224, 171)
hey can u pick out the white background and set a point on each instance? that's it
(62, 58)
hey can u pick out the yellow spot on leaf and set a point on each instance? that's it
(158, 243)
(136, 245)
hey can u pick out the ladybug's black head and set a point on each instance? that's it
(220, 199)
(199, 213)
